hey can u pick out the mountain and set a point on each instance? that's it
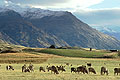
(20, 31)
(109, 30)
(36, 27)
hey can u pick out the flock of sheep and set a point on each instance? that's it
(57, 69)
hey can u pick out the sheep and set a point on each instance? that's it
(61, 68)
(91, 70)
(48, 68)
(104, 70)
(82, 69)
(41, 69)
(31, 67)
(73, 70)
(116, 71)
(53, 69)
(9, 67)
(23, 67)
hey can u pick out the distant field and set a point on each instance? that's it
(40, 55)
(79, 53)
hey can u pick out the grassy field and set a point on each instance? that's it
(80, 53)
(36, 75)
(62, 56)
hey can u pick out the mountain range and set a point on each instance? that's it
(109, 30)
(34, 27)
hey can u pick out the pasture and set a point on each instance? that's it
(36, 75)
(48, 57)
(80, 53)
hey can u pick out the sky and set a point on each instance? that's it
(92, 12)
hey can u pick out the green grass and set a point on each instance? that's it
(77, 53)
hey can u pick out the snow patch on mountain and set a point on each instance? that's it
(40, 13)
(106, 29)
(31, 13)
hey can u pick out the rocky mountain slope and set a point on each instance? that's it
(41, 28)
(20, 31)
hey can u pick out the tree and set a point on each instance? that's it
(52, 46)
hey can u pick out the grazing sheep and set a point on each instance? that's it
(49, 68)
(24, 67)
(61, 68)
(104, 70)
(31, 67)
(53, 69)
(9, 67)
(82, 69)
(41, 69)
(73, 70)
(91, 70)
(116, 71)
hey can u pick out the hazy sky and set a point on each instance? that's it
(93, 12)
